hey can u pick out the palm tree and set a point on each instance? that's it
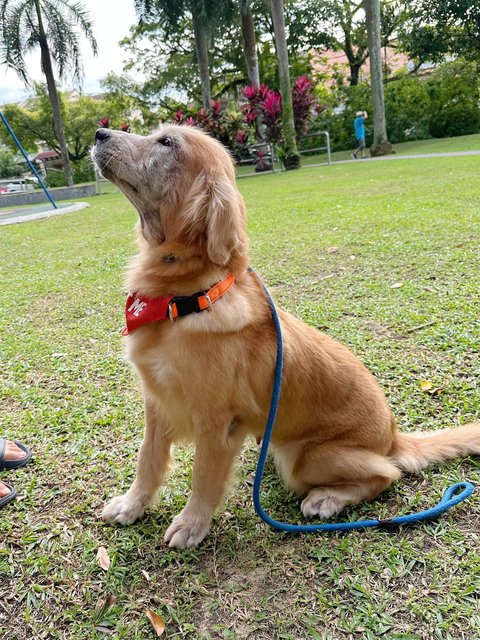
(381, 146)
(249, 42)
(54, 26)
(291, 157)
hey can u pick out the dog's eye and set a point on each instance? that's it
(166, 142)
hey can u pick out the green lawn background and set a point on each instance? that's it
(68, 393)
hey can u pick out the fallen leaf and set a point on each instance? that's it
(332, 250)
(103, 629)
(353, 257)
(103, 558)
(157, 621)
(426, 385)
(396, 285)
(436, 391)
(146, 575)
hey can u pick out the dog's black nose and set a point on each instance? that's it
(102, 134)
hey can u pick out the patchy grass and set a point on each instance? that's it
(67, 392)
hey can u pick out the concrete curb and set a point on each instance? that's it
(76, 206)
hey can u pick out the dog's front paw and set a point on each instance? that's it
(123, 510)
(186, 532)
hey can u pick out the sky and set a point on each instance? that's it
(111, 22)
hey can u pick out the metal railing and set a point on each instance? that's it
(268, 153)
(316, 134)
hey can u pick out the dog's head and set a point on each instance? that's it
(182, 183)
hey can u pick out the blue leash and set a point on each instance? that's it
(452, 496)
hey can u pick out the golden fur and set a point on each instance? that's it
(207, 378)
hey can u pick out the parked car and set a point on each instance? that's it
(15, 186)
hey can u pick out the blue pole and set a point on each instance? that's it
(30, 164)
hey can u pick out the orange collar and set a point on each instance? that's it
(141, 310)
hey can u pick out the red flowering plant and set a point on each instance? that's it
(271, 108)
(179, 117)
(263, 161)
(240, 144)
(250, 114)
(262, 108)
(305, 105)
(256, 118)
(125, 127)
(241, 137)
(104, 123)
(219, 122)
(255, 95)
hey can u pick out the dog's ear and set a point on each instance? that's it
(215, 215)
(225, 220)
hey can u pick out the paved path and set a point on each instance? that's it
(445, 154)
(36, 212)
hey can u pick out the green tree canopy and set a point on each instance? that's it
(9, 165)
(33, 122)
(436, 29)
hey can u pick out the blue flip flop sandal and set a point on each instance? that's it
(13, 464)
(11, 496)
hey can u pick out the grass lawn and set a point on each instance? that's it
(67, 392)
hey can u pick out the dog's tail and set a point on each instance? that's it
(415, 451)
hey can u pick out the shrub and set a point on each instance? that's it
(305, 106)
(55, 178)
(9, 166)
(442, 104)
(455, 96)
(407, 110)
(257, 116)
(83, 171)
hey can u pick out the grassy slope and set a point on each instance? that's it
(67, 392)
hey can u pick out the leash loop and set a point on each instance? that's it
(453, 495)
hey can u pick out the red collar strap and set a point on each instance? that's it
(141, 310)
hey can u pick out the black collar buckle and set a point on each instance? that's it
(187, 304)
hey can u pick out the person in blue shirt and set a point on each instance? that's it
(359, 126)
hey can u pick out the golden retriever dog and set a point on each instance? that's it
(207, 376)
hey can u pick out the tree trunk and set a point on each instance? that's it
(354, 74)
(291, 157)
(352, 60)
(201, 47)
(54, 101)
(381, 145)
(249, 42)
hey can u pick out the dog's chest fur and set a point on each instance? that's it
(192, 376)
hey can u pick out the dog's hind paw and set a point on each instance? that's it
(123, 510)
(186, 532)
(323, 502)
